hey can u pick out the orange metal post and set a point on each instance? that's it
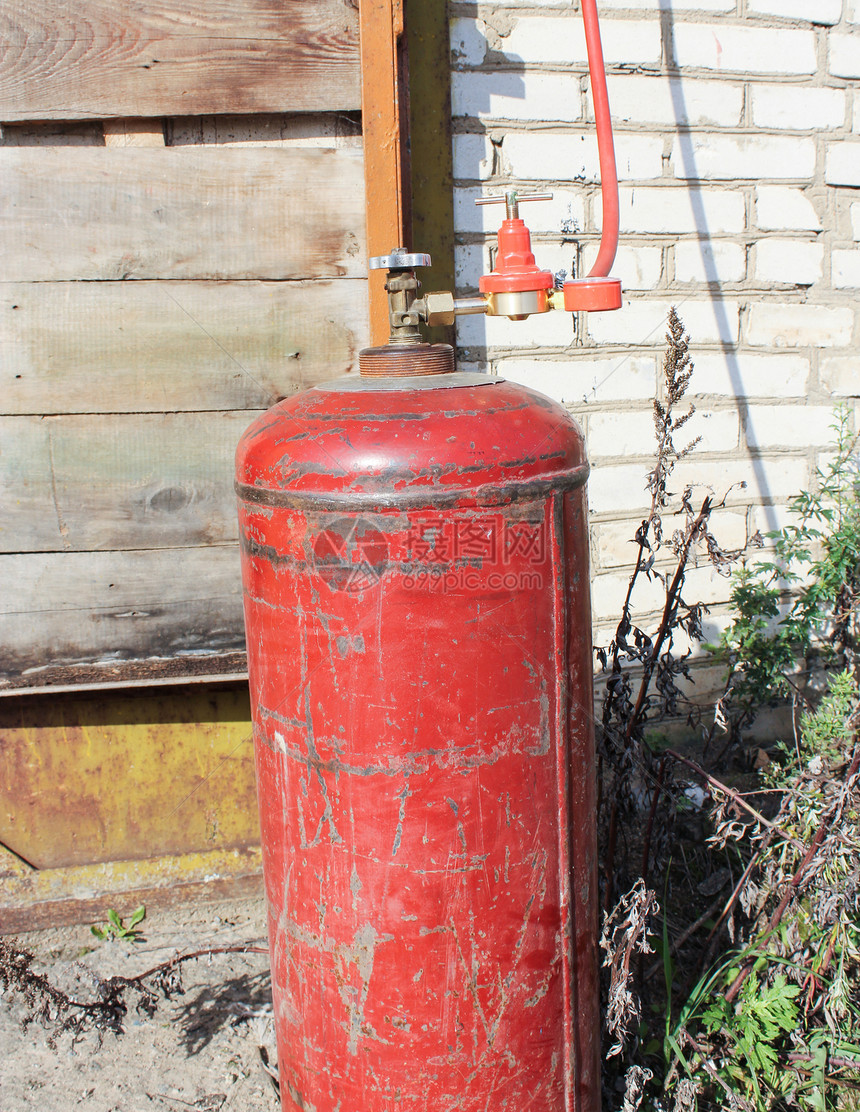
(384, 110)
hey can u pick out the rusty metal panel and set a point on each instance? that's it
(124, 776)
(31, 899)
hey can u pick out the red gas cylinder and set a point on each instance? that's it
(416, 599)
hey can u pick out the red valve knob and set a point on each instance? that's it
(515, 264)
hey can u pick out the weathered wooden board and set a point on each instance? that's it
(65, 607)
(70, 213)
(126, 347)
(133, 131)
(103, 58)
(118, 481)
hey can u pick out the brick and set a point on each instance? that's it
(781, 207)
(842, 166)
(586, 380)
(706, 585)
(468, 39)
(542, 156)
(730, 528)
(516, 96)
(472, 156)
(840, 375)
(825, 12)
(616, 435)
(718, 428)
(845, 269)
(855, 220)
(791, 262)
(563, 215)
(661, 100)
(470, 262)
(788, 426)
(674, 209)
(615, 546)
(608, 591)
(735, 158)
(855, 117)
(671, 5)
(755, 376)
(639, 268)
(768, 519)
(779, 325)
(797, 108)
(716, 46)
(777, 477)
(516, 3)
(644, 322)
(614, 488)
(614, 543)
(630, 434)
(550, 39)
(709, 261)
(844, 51)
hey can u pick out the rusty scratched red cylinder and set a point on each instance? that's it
(417, 610)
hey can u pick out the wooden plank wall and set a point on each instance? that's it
(114, 58)
(170, 270)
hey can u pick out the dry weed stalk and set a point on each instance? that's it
(625, 934)
(643, 669)
(62, 1014)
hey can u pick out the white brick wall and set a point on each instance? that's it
(840, 376)
(796, 326)
(789, 261)
(843, 164)
(797, 108)
(665, 100)
(710, 261)
(728, 157)
(846, 270)
(844, 55)
(647, 210)
(820, 11)
(855, 221)
(780, 207)
(743, 49)
(737, 129)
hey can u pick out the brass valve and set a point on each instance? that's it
(405, 309)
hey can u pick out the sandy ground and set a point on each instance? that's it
(201, 1050)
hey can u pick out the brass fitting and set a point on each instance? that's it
(439, 307)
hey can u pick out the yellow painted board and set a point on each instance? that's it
(126, 776)
(84, 893)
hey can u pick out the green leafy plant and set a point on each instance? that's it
(817, 556)
(116, 928)
(764, 1015)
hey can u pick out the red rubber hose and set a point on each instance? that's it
(605, 144)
